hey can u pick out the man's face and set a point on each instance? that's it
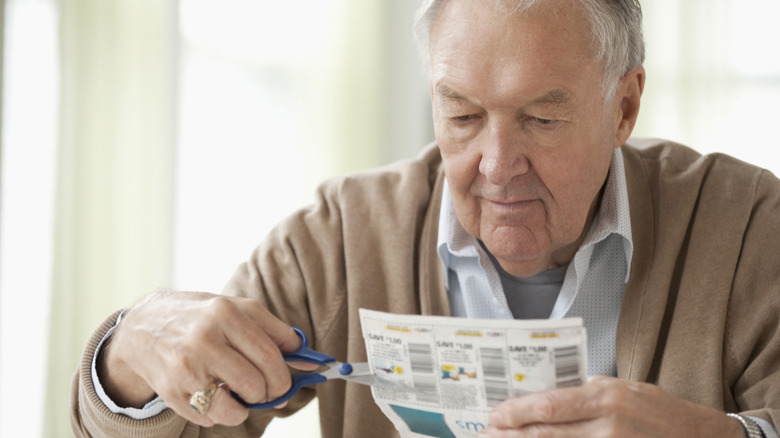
(525, 133)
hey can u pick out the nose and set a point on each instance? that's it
(503, 155)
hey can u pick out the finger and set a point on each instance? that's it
(282, 334)
(225, 409)
(239, 373)
(562, 430)
(303, 366)
(177, 390)
(278, 331)
(268, 377)
(180, 403)
(256, 371)
(564, 405)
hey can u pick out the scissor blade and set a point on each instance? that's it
(361, 373)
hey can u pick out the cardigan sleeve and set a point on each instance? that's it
(300, 255)
(90, 417)
(752, 342)
(357, 246)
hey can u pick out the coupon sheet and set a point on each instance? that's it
(452, 371)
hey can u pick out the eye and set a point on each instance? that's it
(543, 121)
(465, 118)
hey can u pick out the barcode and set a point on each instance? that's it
(423, 376)
(567, 366)
(494, 375)
(421, 358)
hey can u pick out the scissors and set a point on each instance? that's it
(357, 372)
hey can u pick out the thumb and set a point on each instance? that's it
(303, 366)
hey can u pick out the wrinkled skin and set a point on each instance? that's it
(173, 344)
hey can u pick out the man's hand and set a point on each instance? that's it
(607, 407)
(177, 343)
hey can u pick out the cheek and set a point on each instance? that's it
(461, 170)
(460, 160)
(574, 186)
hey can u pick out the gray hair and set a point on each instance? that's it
(616, 30)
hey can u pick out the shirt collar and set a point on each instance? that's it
(613, 218)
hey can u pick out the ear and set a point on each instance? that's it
(627, 97)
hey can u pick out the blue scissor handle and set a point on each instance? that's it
(299, 380)
(305, 354)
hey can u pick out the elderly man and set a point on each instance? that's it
(533, 203)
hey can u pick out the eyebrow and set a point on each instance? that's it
(445, 91)
(556, 96)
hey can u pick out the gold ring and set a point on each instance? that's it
(201, 400)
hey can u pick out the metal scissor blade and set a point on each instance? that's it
(356, 372)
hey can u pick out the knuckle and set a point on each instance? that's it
(250, 304)
(253, 390)
(221, 306)
(278, 387)
(546, 409)
(267, 352)
(616, 399)
(612, 400)
(269, 363)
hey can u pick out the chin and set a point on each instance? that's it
(516, 243)
(515, 253)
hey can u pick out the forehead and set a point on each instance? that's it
(473, 44)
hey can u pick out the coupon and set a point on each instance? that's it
(451, 371)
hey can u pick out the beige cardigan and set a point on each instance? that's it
(700, 311)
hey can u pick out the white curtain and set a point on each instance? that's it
(713, 76)
(28, 162)
(275, 97)
(114, 195)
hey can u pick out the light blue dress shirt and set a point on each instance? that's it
(592, 287)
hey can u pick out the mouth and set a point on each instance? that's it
(503, 206)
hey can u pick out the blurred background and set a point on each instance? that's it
(150, 144)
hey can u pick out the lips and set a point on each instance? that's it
(502, 206)
(508, 201)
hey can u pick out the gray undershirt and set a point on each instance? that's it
(532, 297)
